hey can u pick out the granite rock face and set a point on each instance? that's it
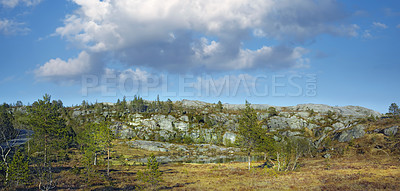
(391, 131)
(168, 147)
(220, 127)
(293, 122)
(302, 109)
(229, 138)
(355, 132)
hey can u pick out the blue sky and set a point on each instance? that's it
(283, 52)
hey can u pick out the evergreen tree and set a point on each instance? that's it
(95, 138)
(6, 125)
(52, 136)
(219, 106)
(104, 137)
(152, 175)
(19, 169)
(394, 109)
(19, 104)
(250, 130)
(88, 146)
(124, 103)
(158, 103)
(49, 126)
(7, 132)
(272, 112)
(84, 104)
(266, 143)
(138, 104)
(169, 106)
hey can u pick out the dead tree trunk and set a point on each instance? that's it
(249, 159)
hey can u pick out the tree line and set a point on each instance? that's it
(136, 105)
(33, 162)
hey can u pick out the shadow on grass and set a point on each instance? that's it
(168, 171)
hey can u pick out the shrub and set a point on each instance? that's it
(152, 175)
(19, 169)
(187, 139)
(272, 112)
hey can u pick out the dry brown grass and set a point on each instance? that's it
(351, 172)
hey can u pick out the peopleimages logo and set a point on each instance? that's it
(202, 86)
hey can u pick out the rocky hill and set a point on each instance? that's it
(204, 123)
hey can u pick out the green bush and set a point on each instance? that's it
(19, 170)
(188, 139)
(152, 175)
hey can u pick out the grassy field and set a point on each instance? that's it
(350, 172)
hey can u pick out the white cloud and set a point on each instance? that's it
(351, 30)
(367, 34)
(60, 69)
(270, 58)
(202, 35)
(379, 25)
(228, 85)
(137, 21)
(14, 3)
(135, 75)
(112, 81)
(9, 27)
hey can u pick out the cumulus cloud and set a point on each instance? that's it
(14, 3)
(202, 35)
(379, 25)
(9, 27)
(128, 82)
(60, 69)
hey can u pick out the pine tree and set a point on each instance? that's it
(19, 169)
(169, 106)
(6, 125)
(219, 106)
(272, 112)
(394, 109)
(158, 104)
(94, 139)
(104, 138)
(124, 103)
(7, 132)
(250, 130)
(52, 136)
(89, 148)
(152, 174)
(265, 143)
